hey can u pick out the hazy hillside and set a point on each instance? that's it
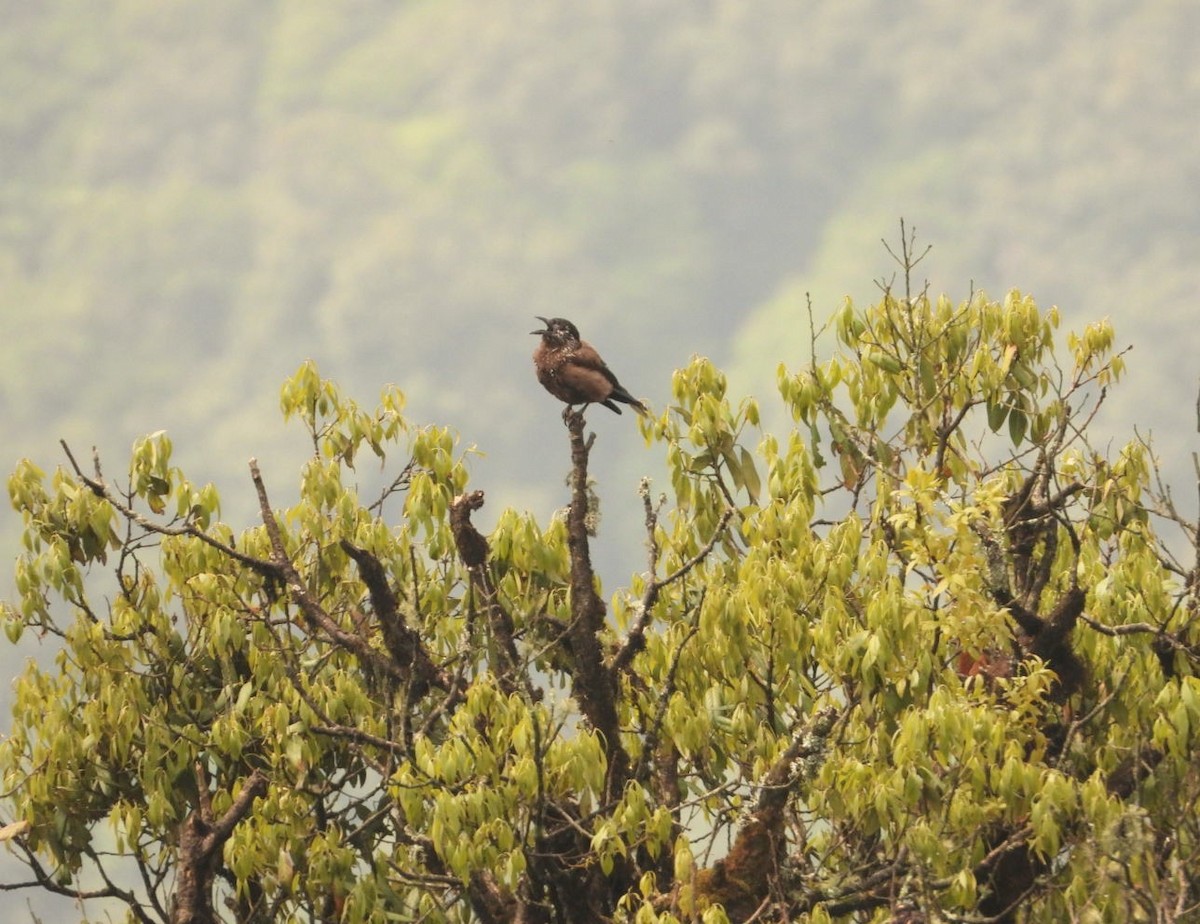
(196, 198)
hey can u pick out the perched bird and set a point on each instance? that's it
(572, 370)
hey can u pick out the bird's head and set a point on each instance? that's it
(558, 331)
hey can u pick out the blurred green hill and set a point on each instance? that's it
(196, 197)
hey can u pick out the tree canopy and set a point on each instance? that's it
(927, 655)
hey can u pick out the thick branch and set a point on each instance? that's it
(491, 902)
(201, 838)
(741, 881)
(473, 550)
(471, 544)
(593, 685)
(402, 641)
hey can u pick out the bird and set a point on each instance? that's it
(571, 369)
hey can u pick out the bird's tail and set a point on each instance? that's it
(620, 394)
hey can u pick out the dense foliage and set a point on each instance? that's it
(922, 657)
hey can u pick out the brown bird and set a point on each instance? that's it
(572, 370)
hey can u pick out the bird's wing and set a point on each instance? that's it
(594, 382)
(586, 357)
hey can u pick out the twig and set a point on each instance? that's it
(635, 640)
(100, 488)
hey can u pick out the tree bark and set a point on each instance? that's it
(201, 838)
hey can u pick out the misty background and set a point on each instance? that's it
(196, 197)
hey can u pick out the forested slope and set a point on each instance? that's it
(194, 199)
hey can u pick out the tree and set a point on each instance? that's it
(922, 658)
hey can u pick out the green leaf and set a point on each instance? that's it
(884, 361)
(997, 412)
(929, 384)
(1018, 423)
(750, 477)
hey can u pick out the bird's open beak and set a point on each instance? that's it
(544, 321)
